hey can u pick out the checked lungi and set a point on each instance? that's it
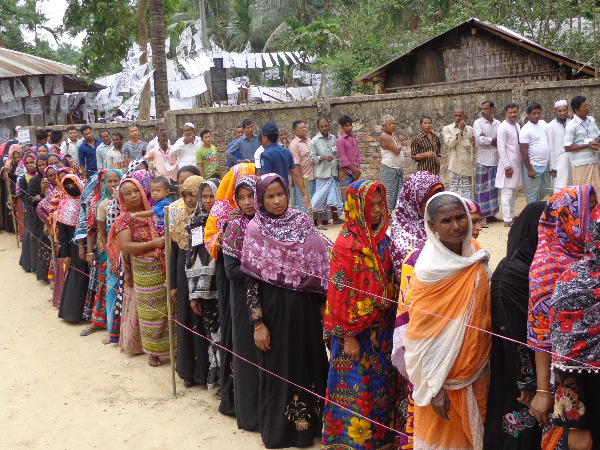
(486, 193)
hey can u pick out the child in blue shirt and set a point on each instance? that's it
(159, 191)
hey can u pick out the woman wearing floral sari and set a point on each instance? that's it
(139, 238)
(112, 178)
(575, 336)
(447, 353)
(561, 242)
(360, 312)
(94, 305)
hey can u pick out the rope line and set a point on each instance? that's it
(330, 279)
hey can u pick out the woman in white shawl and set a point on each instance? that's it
(447, 354)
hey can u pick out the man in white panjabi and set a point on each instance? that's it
(509, 177)
(556, 138)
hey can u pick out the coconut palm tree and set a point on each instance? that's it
(159, 56)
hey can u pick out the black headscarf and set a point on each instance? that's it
(512, 364)
(199, 266)
(35, 184)
(510, 281)
(523, 235)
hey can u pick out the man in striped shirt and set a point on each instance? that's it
(426, 147)
(485, 130)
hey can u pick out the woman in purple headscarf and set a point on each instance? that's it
(287, 260)
(408, 225)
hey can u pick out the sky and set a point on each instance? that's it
(54, 11)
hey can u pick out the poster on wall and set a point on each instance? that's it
(35, 87)
(14, 108)
(23, 135)
(48, 84)
(5, 91)
(20, 89)
(33, 105)
(53, 104)
(58, 85)
(4, 134)
(63, 104)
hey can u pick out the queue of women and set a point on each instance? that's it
(391, 336)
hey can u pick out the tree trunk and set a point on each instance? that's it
(159, 57)
(142, 27)
(204, 40)
(322, 83)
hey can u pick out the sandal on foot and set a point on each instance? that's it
(89, 330)
(188, 383)
(321, 227)
(339, 221)
(154, 361)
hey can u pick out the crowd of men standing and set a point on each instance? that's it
(489, 161)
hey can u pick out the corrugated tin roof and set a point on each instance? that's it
(498, 30)
(17, 64)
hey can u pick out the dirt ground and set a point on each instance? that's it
(60, 390)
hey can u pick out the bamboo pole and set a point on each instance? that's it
(293, 196)
(12, 209)
(53, 249)
(307, 189)
(472, 172)
(595, 46)
(169, 306)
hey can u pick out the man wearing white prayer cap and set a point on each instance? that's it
(185, 147)
(556, 138)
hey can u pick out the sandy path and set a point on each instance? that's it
(60, 390)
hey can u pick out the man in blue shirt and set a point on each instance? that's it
(279, 160)
(239, 132)
(246, 145)
(87, 150)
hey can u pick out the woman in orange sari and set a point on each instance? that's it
(447, 354)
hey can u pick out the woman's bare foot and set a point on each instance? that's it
(154, 361)
(106, 339)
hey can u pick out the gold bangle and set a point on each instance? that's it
(259, 327)
(88, 254)
(544, 391)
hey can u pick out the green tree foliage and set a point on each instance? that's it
(367, 33)
(110, 27)
(16, 17)
(319, 39)
(368, 43)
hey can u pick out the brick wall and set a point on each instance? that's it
(367, 111)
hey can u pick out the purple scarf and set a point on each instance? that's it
(285, 250)
(408, 225)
